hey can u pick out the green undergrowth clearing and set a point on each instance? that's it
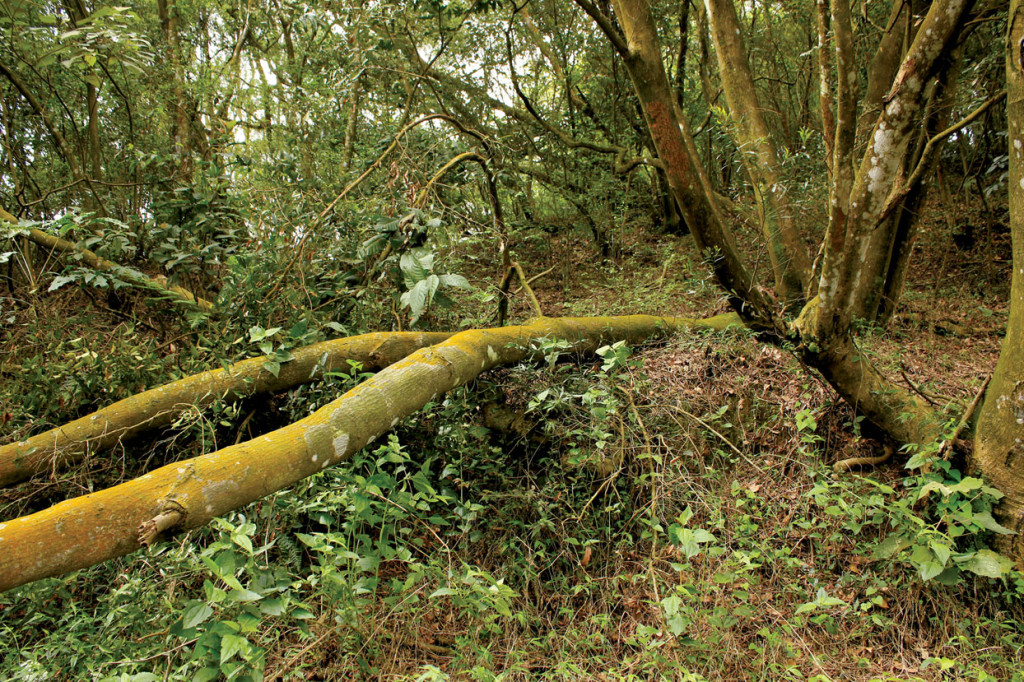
(659, 513)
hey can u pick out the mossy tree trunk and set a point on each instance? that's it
(58, 448)
(999, 439)
(855, 255)
(177, 294)
(822, 333)
(90, 529)
(788, 255)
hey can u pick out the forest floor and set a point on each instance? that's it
(669, 513)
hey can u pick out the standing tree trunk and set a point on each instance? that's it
(786, 250)
(999, 440)
(823, 331)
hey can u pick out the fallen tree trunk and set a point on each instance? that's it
(60, 447)
(96, 262)
(93, 528)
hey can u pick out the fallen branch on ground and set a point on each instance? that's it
(60, 447)
(93, 528)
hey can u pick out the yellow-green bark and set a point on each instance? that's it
(93, 528)
(96, 262)
(786, 250)
(999, 440)
(157, 407)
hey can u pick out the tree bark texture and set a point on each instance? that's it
(786, 250)
(65, 445)
(851, 270)
(93, 528)
(999, 439)
(823, 331)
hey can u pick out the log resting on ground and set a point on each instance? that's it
(60, 447)
(93, 528)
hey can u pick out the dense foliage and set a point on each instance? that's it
(318, 170)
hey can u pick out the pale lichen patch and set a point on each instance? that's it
(340, 444)
(318, 438)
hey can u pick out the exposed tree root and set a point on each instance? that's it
(851, 463)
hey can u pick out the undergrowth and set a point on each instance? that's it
(667, 512)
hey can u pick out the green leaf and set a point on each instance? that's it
(230, 646)
(61, 280)
(985, 520)
(929, 569)
(442, 592)
(941, 551)
(416, 265)
(949, 577)
(272, 366)
(418, 298)
(931, 486)
(967, 485)
(987, 563)
(806, 608)
(272, 607)
(196, 614)
(457, 281)
(241, 540)
(243, 595)
(206, 674)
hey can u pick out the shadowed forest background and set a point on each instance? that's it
(509, 340)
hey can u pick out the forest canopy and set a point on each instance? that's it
(433, 340)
